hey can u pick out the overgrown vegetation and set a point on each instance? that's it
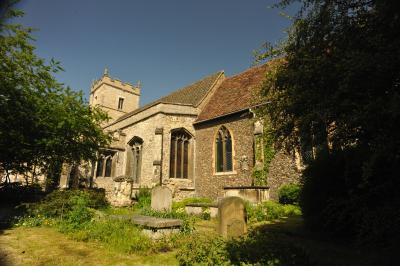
(269, 211)
(79, 214)
(289, 194)
(181, 204)
(265, 152)
(143, 198)
(73, 212)
(16, 193)
(258, 248)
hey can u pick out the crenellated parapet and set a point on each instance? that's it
(116, 83)
(114, 96)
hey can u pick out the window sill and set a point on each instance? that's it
(174, 178)
(226, 173)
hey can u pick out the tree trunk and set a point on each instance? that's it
(74, 177)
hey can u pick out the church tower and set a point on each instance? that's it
(114, 96)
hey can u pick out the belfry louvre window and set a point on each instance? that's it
(223, 150)
(179, 154)
(134, 159)
(120, 103)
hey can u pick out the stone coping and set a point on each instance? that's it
(247, 187)
(155, 222)
(149, 221)
(201, 204)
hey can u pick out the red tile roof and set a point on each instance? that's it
(191, 95)
(234, 94)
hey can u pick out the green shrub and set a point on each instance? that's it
(289, 194)
(179, 206)
(269, 210)
(79, 215)
(203, 250)
(143, 198)
(264, 248)
(258, 248)
(60, 202)
(356, 198)
(15, 193)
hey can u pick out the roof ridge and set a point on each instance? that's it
(162, 99)
(236, 92)
(220, 73)
(188, 86)
(249, 69)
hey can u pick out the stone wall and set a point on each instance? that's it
(152, 152)
(208, 183)
(282, 170)
(155, 132)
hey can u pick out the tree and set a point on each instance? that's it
(335, 93)
(42, 122)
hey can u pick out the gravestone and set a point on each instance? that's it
(161, 199)
(232, 217)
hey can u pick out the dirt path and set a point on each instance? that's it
(45, 246)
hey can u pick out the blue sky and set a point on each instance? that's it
(166, 44)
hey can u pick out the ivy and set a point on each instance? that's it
(266, 141)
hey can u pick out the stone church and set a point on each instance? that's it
(200, 140)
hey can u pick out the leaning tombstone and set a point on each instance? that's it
(232, 217)
(161, 199)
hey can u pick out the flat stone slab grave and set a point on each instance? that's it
(153, 227)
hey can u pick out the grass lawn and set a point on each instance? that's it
(46, 246)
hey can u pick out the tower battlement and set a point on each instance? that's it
(114, 96)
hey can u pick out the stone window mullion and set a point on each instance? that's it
(179, 155)
(176, 157)
(134, 164)
(139, 163)
(103, 170)
(182, 157)
(223, 151)
(224, 154)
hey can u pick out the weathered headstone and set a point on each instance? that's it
(65, 170)
(232, 217)
(161, 199)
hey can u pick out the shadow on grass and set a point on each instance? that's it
(14, 198)
(269, 244)
(290, 243)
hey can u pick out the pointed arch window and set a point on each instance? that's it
(99, 170)
(108, 166)
(134, 159)
(223, 151)
(104, 166)
(179, 163)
